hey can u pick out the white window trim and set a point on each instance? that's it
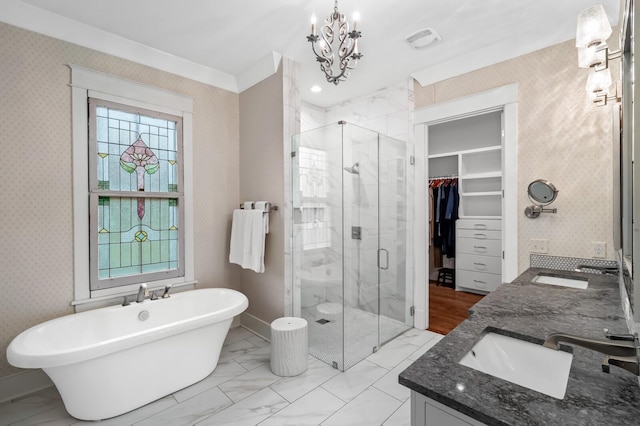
(87, 83)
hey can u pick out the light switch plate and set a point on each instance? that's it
(599, 250)
(538, 245)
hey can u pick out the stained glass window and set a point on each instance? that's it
(136, 195)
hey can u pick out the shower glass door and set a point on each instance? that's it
(396, 292)
(349, 241)
(360, 242)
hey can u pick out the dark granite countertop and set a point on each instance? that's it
(534, 311)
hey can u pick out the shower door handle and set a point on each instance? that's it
(386, 252)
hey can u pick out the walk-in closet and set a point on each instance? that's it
(465, 193)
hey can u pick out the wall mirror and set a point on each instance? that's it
(627, 188)
(541, 192)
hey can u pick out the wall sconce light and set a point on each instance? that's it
(592, 32)
(593, 27)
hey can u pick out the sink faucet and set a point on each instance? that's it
(622, 350)
(606, 270)
(143, 292)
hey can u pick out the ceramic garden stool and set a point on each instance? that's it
(289, 346)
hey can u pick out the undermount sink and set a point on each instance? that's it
(523, 363)
(558, 280)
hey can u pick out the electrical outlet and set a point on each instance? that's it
(539, 246)
(599, 249)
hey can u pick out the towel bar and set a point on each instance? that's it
(269, 207)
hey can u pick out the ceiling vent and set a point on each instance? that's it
(423, 38)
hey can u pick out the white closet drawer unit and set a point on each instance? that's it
(475, 246)
(478, 234)
(472, 262)
(477, 280)
(479, 224)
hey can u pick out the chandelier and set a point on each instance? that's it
(346, 45)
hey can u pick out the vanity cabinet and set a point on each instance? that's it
(427, 412)
(478, 254)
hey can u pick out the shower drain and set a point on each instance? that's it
(322, 321)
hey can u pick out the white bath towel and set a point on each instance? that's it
(247, 239)
(262, 205)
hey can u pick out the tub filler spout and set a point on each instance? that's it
(143, 292)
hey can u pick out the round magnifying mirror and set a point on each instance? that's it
(542, 192)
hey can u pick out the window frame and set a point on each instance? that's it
(96, 283)
(85, 84)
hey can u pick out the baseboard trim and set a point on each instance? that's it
(23, 383)
(256, 325)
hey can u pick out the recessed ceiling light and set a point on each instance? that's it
(316, 89)
(423, 38)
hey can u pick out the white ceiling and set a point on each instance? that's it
(234, 41)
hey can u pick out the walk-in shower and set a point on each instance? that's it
(350, 240)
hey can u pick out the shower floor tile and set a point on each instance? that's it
(360, 335)
(242, 390)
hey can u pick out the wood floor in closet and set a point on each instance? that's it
(448, 308)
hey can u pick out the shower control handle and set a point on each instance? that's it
(386, 252)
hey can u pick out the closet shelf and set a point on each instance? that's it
(481, 194)
(485, 175)
(480, 217)
(466, 151)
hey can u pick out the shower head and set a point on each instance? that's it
(354, 170)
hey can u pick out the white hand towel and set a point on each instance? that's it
(262, 206)
(236, 248)
(247, 239)
(247, 205)
(254, 239)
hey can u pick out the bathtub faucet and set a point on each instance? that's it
(143, 292)
(167, 288)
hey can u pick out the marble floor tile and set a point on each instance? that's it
(292, 388)
(401, 417)
(236, 334)
(29, 405)
(310, 410)
(57, 416)
(249, 383)
(190, 411)
(250, 411)
(235, 349)
(255, 357)
(424, 348)
(355, 380)
(135, 416)
(258, 341)
(392, 354)
(417, 337)
(371, 407)
(223, 372)
(389, 382)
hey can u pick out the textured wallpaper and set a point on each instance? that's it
(562, 137)
(36, 249)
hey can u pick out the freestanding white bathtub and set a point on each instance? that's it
(109, 361)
